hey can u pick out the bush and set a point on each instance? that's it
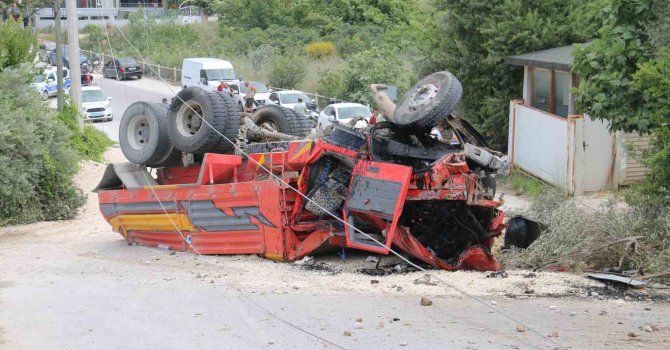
(90, 144)
(37, 162)
(320, 49)
(95, 34)
(260, 56)
(287, 72)
(17, 45)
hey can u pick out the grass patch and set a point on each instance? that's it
(523, 184)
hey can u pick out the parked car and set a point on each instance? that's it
(46, 83)
(122, 68)
(288, 98)
(206, 72)
(97, 106)
(66, 58)
(262, 93)
(343, 113)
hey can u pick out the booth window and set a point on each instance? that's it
(551, 91)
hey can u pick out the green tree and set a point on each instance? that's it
(374, 66)
(625, 80)
(653, 80)
(247, 14)
(473, 38)
(606, 67)
(18, 44)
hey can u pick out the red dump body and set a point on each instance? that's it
(230, 205)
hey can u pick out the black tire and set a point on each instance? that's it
(430, 100)
(191, 134)
(143, 133)
(282, 119)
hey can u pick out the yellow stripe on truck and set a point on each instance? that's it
(152, 222)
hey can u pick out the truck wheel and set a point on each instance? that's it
(143, 133)
(282, 119)
(430, 100)
(45, 95)
(198, 117)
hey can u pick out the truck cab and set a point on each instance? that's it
(207, 72)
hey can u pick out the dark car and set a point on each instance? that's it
(122, 68)
(51, 57)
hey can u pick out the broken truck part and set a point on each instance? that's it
(393, 185)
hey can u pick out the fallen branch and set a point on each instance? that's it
(655, 275)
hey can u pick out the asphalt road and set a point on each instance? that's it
(125, 92)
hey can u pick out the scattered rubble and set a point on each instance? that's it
(426, 302)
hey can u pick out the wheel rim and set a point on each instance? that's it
(423, 95)
(188, 118)
(139, 132)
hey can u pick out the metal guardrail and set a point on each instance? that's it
(174, 75)
(150, 69)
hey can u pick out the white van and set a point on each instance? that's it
(206, 72)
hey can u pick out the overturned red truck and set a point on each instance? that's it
(391, 183)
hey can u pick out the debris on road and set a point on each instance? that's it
(522, 232)
(520, 328)
(426, 302)
(612, 277)
(427, 280)
(373, 259)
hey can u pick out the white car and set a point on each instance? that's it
(288, 98)
(262, 93)
(97, 106)
(343, 113)
(46, 84)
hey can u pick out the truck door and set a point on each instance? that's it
(374, 204)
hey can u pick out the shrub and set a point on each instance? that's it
(260, 56)
(330, 84)
(320, 49)
(89, 144)
(37, 162)
(17, 44)
(287, 72)
(377, 65)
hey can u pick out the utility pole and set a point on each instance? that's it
(75, 64)
(59, 55)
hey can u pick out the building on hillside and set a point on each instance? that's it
(550, 139)
(98, 12)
